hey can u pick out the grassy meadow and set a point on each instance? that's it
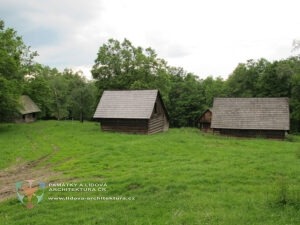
(181, 177)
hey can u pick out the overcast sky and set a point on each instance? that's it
(204, 37)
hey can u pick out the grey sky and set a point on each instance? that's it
(203, 37)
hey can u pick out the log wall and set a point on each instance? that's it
(136, 126)
(275, 134)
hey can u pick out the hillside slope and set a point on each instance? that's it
(179, 177)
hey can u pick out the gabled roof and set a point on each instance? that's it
(251, 113)
(204, 112)
(209, 109)
(27, 105)
(132, 104)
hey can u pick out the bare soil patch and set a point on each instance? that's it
(36, 170)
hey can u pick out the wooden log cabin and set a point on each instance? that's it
(132, 111)
(251, 117)
(28, 110)
(204, 121)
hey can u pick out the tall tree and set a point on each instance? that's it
(295, 102)
(82, 101)
(212, 88)
(37, 86)
(59, 97)
(243, 82)
(15, 59)
(124, 66)
(275, 80)
(185, 100)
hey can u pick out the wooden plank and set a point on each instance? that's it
(276, 134)
(125, 125)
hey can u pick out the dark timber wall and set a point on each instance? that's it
(158, 121)
(204, 122)
(276, 134)
(26, 118)
(137, 126)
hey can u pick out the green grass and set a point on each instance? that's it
(179, 177)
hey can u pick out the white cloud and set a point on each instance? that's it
(85, 69)
(204, 37)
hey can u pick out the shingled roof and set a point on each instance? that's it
(251, 113)
(27, 105)
(133, 104)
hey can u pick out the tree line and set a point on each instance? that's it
(121, 65)
(59, 95)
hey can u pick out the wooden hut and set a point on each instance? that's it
(28, 110)
(134, 111)
(251, 117)
(204, 121)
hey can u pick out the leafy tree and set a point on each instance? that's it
(212, 88)
(275, 81)
(9, 94)
(15, 59)
(59, 97)
(82, 97)
(295, 103)
(185, 100)
(123, 66)
(37, 86)
(243, 82)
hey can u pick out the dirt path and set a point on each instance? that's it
(37, 170)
